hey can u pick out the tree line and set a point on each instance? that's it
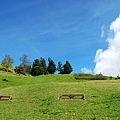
(38, 67)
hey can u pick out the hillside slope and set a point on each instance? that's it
(37, 98)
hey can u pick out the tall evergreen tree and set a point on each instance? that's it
(67, 68)
(35, 71)
(39, 67)
(43, 65)
(36, 63)
(51, 66)
(60, 68)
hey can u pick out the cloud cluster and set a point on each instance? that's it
(108, 61)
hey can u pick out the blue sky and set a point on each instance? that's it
(70, 30)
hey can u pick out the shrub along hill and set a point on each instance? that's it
(36, 98)
(83, 76)
(10, 70)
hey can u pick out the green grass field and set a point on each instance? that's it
(36, 98)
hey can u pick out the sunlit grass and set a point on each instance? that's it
(37, 98)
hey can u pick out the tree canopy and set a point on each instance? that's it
(51, 66)
(38, 67)
(67, 68)
(24, 67)
(60, 68)
(7, 62)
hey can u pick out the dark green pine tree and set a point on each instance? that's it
(51, 66)
(39, 67)
(36, 63)
(67, 68)
(35, 71)
(43, 66)
(60, 68)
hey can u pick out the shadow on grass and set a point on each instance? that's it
(5, 80)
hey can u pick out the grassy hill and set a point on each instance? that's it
(36, 98)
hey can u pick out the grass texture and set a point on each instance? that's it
(36, 98)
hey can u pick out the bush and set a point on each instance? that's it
(83, 76)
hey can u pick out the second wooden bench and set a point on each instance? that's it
(70, 96)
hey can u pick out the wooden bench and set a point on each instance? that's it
(70, 96)
(5, 98)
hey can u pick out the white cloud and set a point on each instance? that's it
(108, 61)
(115, 26)
(86, 70)
(102, 31)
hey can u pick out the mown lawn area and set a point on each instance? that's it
(36, 98)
